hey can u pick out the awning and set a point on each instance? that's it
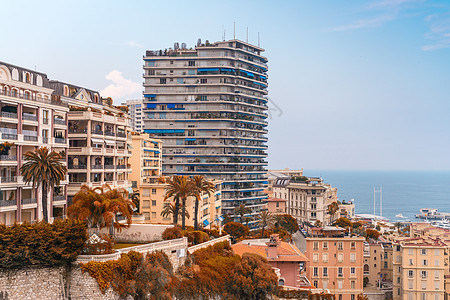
(151, 105)
(189, 139)
(150, 95)
(208, 70)
(109, 142)
(170, 105)
(226, 69)
(248, 73)
(97, 141)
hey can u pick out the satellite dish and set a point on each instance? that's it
(176, 46)
(199, 42)
(183, 45)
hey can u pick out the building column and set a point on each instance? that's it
(19, 205)
(19, 117)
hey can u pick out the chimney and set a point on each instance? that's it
(272, 245)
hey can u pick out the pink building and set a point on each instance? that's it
(284, 256)
(276, 205)
(336, 264)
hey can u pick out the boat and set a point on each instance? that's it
(400, 216)
(432, 214)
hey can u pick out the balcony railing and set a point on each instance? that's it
(29, 117)
(80, 130)
(78, 167)
(29, 201)
(8, 158)
(60, 140)
(109, 133)
(9, 136)
(6, 203)
(30, 138)
(59, 198)
(121, 134)
(109, 166)
(96, 167)
(11, 179)
(45, 140)
(10, 115)
(60, 121)
(121, 166)
(29, 97)
(94, 131)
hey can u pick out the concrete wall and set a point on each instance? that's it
(139, 233)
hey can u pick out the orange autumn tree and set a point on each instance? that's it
(99, 207)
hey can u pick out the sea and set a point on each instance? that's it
(404, 192)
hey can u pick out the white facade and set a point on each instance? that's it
(135, 112)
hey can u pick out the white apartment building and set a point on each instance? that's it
(135, 112)
(31, 117)
(209, 107)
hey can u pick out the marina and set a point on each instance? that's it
(432, 214)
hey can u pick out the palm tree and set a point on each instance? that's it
(242, 210)
(201, 185)
(99, 207)
(135, 198)
(265, 219)
(44, 169)
(180, 187)
(332, 209)
(169, 209)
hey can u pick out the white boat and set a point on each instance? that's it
(400, 216)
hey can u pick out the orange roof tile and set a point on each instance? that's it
(285, 251)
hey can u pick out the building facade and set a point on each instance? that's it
(209, 106)
(98, 139)
(336, 264)
(30, 118)
(135, 112)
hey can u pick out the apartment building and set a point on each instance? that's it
(209, 107)
(420, 266)
(31, 117)
(276, 205)
(336, 264)
(374, 262)
(135, 112)
(307, 198)
(98, 139)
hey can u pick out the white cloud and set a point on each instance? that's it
(365, 23)
(134, 44)
(121, 88)
(439, 32)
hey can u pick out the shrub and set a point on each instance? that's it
(41, 243)
(236, 230)
(172, 233)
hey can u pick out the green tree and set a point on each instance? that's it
(201, 186)
(242, 210)
(266, 219)
(100, 206)
(169, 209)
(180, 187)
(44, 169)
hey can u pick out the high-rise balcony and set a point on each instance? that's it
(29, 117)
(6, 203)
(59, 121)
(8, 115)
(29, 201)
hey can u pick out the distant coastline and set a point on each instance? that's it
(404, 192)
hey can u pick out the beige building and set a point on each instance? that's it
(98, 139)
(30, 117)
(336, 264)
(419, 269)
(307, 198)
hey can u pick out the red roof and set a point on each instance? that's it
(271, 199)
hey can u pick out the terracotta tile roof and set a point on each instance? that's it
(285, 251)
(272, 199)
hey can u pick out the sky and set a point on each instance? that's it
(353, 85)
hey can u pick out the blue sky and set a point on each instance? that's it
(359, 84)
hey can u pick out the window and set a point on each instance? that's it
(153, 202)
(352, 271)
(340, 297)
(397, 248)
(352, 297)
(171, 62)
(153, 191)
(340, 246)
(410, 251)
(340, 257)
(424, 262)
(162, 80)
(424, 285)
(325, 272)
(315, 272)
(424, 296)
(423, 274)
(385, 264)
(436, 285)
(146, 192)
(325, 245)
(325, 284)
(436, 252)
(411, 262)
(316, 246)
(385, 255)
(153, 215)
(410, 284)
(339, 284)
(316, 257)
(353, 284)
(410, 273)
(398, 279)
(316, 284)
(191, 63)
(340, 274)
(410, 296)
(325, 257)
(436, 296)
(436, 274)
(353, 245)
(423, 251)
(436, 262)
(203, 80)
(352, 257)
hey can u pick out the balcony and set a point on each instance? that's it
(6, 203)
(59, 121)
(9, 136)
(78, 167)
(99, 132)
(29, 117)
(60, 140)
(119, 167)
(59, 198)
(108, 167)
(12, 179)
(97, 167)
(29, 201)
(8, 158)
(54, 100)
(9, 115)
(121, 134)
(30, 138)
(79, 130)
(110, 133)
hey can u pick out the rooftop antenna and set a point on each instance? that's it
(234, 30)
(258, 39)
(247, 34)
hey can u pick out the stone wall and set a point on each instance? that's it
(139, 233)
(83, 287)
